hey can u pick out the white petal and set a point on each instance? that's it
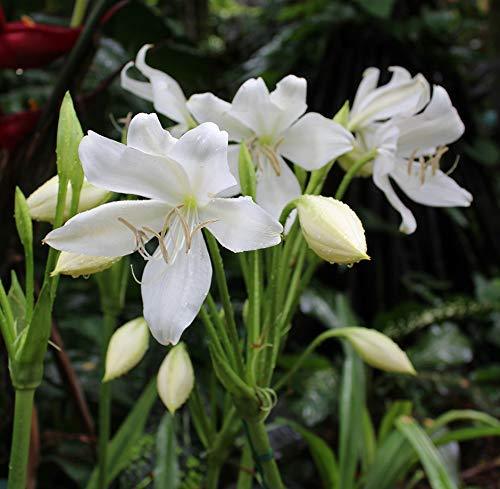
(140, 88)
(439, 124)
(206, 107)
(366, 86)
(252, 106)
(202, 152)
(438, 190)
(388, 101)
(178, 130)
(314, 140)
(98, 232)
(241, 225)
(168, 97)
(173, 294)
(408, 223)
(290, 97)
(114, 166)
(275, 192)
(146, 134)
(233, 157)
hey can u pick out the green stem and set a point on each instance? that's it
(105, 404)
(78, 13)
(21, 436)
(353, 171)
(265, 458)
(213, 474)
(247, 468)
(30, 282)
(220, 278)
(254, 313)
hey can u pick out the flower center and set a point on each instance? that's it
(265, 147)
(423, 162)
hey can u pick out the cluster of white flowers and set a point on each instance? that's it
(190, 183)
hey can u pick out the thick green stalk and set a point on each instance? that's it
(247, 468)
(254, 316)
(105, 404)
(220, 278)
(264, 453)
(351, 173)
(21, 438)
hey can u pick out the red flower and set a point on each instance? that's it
(26, 44)
(15, 127)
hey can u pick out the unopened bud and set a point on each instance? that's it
(332, 229)
(175, 378)
(126, 348)
(77, 265)
(43, 201)
(378, 350)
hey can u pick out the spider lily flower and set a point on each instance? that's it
(43, 201)
(175, 379)
(182, 180)
(332, 229)
(412, 158)
(126, 348)
(27, 44)
(274, 126)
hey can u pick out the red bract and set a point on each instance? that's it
(26, 44)
(15, 127)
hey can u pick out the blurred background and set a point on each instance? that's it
(437, 292)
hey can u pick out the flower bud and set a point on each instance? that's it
(76, 265)
(42, 202)
(126, 348)
(378, 350)
(175, 378)
(332, 229)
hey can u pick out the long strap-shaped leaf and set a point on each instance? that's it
(433, 464)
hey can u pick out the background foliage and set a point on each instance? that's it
(436, 292)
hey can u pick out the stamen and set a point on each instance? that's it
(273, 159)
(411, 159)
(454, 166)
(201, 225)
(133, 274)
(161, 243)
(185, 229)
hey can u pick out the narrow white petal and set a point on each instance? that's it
(290, 97)
(408, 223)
(114, 166)
(146, 134)
(241, 225)
(314, 140)
(202, 152)
(233, 157)
(253, 107)
(173, 294)
(388, 101)
(178, 130)
(168, 97)
(140, 88)
(274, 191)
(206, 107)
(98, 232)
(438, 190)
(438, 125)
(366, 86)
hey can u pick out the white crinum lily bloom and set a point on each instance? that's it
(181, 180)
(274, 126)
(409, 141)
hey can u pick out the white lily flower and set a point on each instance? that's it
(413, 163)
(274, 127)
(182, 180)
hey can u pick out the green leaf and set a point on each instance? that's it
(17, 302)
(167, 464)
(322, 454)
(351, 409)
(377, 8)
(463, 415)
(121, 447)
(23, 220)
(369, 444)
(397, 409)
(246, 169)
(429, 456)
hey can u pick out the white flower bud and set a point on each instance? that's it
(126, 348)
(76, 265)
(42, 202)
(175, 378)
(378, 350)
(332, 229)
